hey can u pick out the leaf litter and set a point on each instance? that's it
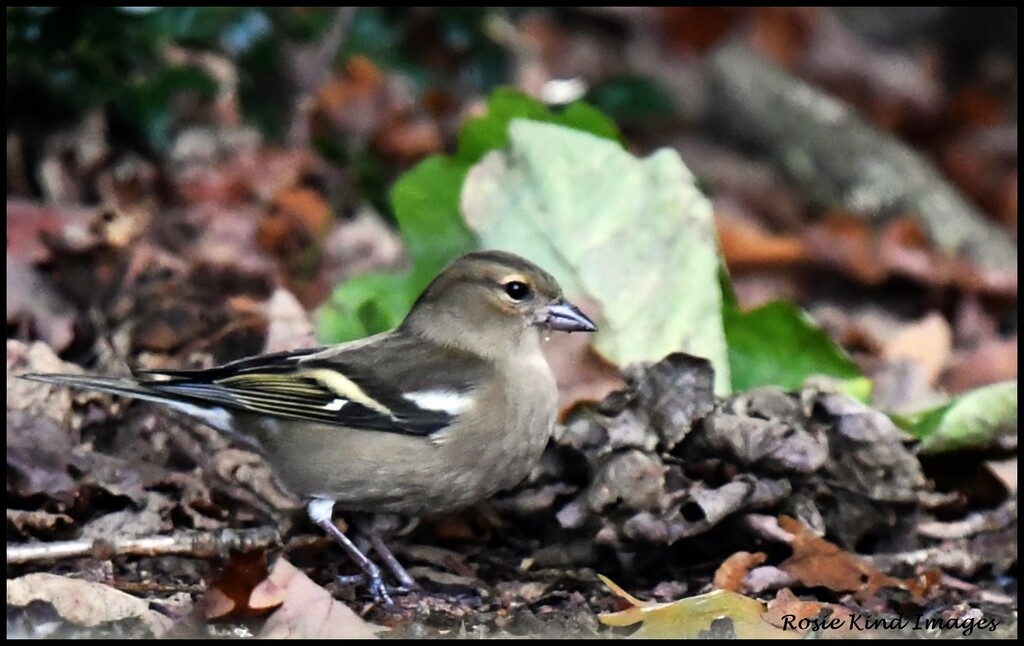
(659, 466)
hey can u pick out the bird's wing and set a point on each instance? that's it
(377, 384)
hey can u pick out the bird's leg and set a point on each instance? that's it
(396, 568)
(320, 512)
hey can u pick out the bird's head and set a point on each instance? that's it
(494, 295)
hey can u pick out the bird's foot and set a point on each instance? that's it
(320, 512)
(382, 592)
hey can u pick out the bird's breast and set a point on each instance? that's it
(496, 444)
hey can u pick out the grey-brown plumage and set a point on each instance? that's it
(487, 447)
(453, 405)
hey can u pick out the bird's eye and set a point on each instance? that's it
(517, 290)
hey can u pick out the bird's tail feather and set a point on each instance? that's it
(116, 385)
(208, 412)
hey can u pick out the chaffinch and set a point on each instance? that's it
(453, 405)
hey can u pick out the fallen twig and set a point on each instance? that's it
(193, 544)
(977, 522)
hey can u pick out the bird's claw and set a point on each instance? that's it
(381, 591)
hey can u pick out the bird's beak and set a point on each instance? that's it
(563, 316)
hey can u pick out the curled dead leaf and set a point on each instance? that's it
(817, 562)
(732, 571)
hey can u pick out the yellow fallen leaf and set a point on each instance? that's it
(688, 618)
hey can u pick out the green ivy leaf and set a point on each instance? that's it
(777, 344)
(426, 203)
(978, 419)
(364, 305)
(490, 132)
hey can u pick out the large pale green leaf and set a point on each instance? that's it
(635, 235)
(978, 419)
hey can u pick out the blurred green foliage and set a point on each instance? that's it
(423, 44)
(81, 56)
(65, 61)
(631, 99)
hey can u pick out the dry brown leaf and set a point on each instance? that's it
(409, 138)
(33, 305)
(983, 163)
(38, 523)
(359, 245)
(892, 89)
(306, 610)
(293, 223)
(787, 610)
(693, 30)
(785, 602)
(1008, 212)
(84, 603)
(27, 221)
(38, 400)
(783, 33)
(994, 360)
(905, 250)
(358, 102)
(289, 326)
(746, 244)
(845, 242)
(973, 104)
(850, 244)
(229, 171)
(817, 562)
(228, 595)
(732, 571)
